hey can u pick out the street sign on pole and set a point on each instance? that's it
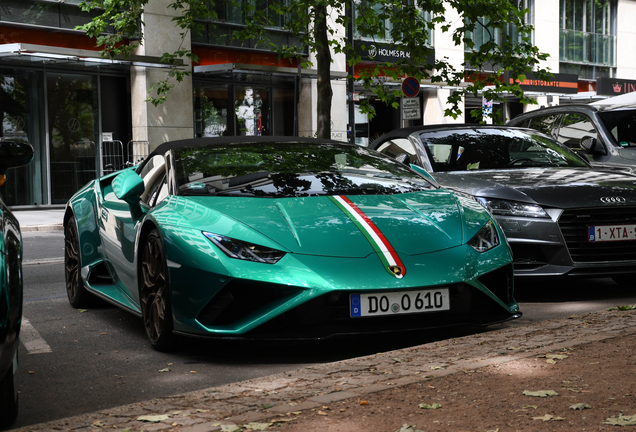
(410, 87)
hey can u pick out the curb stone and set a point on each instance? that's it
(312, 387)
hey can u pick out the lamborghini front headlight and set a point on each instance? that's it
(486, 239)
(245, 251)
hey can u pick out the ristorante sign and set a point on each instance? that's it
(559, 83)
(614, 86)
(383, 52)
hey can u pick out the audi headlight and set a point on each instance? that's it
(486, 239)
(245, 251)
(512, 208)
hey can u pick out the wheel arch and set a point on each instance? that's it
(146, 229)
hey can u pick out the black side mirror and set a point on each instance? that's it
(14, 153)
(403, 158)
(591, 145)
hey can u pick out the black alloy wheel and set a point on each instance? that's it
(156, 309)
(78, 295)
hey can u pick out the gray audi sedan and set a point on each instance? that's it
(561, 216)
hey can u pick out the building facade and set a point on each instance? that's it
(86, 116)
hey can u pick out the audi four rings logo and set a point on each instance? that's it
(613, 200)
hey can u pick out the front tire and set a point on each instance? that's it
(9, 396)
(156, 308)
(78, 295)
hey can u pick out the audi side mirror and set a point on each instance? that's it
(592, 145)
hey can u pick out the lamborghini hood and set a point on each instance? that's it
(343, 226)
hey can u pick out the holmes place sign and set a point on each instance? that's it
(382, 52)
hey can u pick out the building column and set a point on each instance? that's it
(173, 119)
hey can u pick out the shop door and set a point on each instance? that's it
(73, 132)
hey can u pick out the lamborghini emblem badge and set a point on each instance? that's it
(395, 270)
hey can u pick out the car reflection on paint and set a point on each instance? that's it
(13, 153)
(560, 216)
(283, 238)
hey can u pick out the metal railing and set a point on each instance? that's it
(115, 156)
(589, 48)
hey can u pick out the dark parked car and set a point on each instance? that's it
(12, 154)
(560, 215)
(606, 134)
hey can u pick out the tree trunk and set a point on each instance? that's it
(323, 60)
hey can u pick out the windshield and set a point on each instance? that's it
(290, 170)
(621, 124)
(495, 148)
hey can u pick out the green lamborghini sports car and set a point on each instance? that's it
(283, 238)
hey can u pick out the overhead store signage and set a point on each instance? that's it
(559, 83)
(383, 52)
(614, 86)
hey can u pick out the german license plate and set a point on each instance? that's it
(608, 233)
(399, 302)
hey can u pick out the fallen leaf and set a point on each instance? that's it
(363, 402)
(164, 370)
(153, 418)
(296, 412)
(322, 413)
(580, 406)
(621, 420)
(266, 406)
(408, 428)
(530, 406)
(540, 393)
(82, 310)
(97, 424)
(230, 428)
(104, 333)
(427, 406)
(437, 367)
(257, 426)
(548, 417)
(557, 356)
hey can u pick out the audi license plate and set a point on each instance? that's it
(608, 233)
(399, 302)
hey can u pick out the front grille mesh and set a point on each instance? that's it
(574, 226)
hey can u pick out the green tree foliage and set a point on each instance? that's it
(320, 26)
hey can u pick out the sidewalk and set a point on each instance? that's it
(40, 220)
(473, 381)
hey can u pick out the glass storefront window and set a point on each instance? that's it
(21, 118)
(73, 131)
(251, 106)
(211, 111)
(229, 109)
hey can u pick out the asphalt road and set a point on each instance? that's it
(74, 361)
